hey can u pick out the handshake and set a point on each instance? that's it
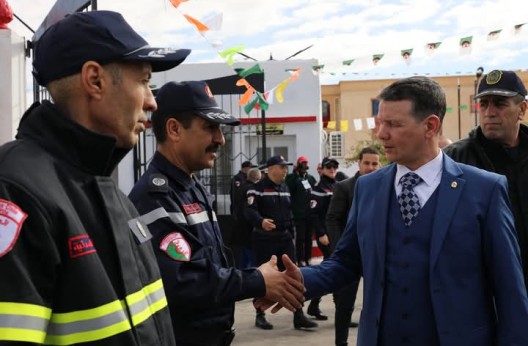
(283, 289)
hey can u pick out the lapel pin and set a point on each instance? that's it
(454, 185)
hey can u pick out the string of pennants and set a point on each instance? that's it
(252, 98)
(369, 121)
(430, 49)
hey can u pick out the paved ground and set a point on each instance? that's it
(283, 332)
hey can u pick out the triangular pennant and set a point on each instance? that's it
(177, 3)
(214, 21)
(199, 25)
(494, 35)
(406, 55)
(250, 105)
(280, 90)
(348, 62)
(252, 70)
(230, 53)
(518, 28)
(465, 45)
(261, 103)
(431, 47)
(376, 58)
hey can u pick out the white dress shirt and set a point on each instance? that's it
(431, 174)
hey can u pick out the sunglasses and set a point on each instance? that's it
(330, 166)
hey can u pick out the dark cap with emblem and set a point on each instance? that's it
(277, 160)
(329, 161)
(501, 83)
(101, 36)
(248, 164)
(195, 96)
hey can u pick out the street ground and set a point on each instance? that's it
(283, 332)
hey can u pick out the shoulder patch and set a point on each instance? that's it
(11, 220)
(158, 183)
(176, 247)
(80, 245)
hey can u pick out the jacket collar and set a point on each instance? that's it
(92, 152)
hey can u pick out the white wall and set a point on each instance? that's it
(12, 83)
(301, 98)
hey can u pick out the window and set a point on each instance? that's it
(325, 112)
(375, 107)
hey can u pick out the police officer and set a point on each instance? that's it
(201, 284)
(320, 200)
(269, 210)
(300, 184)
(238, 236)
(76, 263)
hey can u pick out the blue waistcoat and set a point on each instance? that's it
(407, 315)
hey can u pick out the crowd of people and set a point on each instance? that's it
(439, 235)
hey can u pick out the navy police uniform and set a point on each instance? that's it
(271, 201)
(76, 264)
(319, 203)
(200, 282)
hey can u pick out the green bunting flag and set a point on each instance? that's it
(249, 71)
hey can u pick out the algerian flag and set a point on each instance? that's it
(431, 47)
(493, 35)
(376, 58)
(406, 55)
(465, 45)
(348, 62)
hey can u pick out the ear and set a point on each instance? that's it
(93, 79)
(522, 109)
(432, 125)
(174, 130)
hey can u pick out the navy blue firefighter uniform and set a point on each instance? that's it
(199, 279)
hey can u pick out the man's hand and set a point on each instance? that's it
(284, 288)
(268, 225)
(324, 240)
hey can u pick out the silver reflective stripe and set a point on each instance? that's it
(23, 321)
(87, 325)
(176, 217)
(149, 300)
(322, 194)
(197, 218)
(161, 213)
(274, 194)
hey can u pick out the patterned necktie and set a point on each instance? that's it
(409, 203)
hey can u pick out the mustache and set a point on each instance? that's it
(213, 148)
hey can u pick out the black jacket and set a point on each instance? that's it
(81, 247)
(201, 284)
(319, 202)
(270, 201)
(477, 151)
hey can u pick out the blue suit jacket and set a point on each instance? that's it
(476, 282)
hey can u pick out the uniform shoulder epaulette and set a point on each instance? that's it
(158, 183)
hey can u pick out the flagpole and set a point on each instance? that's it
(459, 116)
(263, 123)
(478, 74)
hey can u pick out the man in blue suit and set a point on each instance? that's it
(440, 259)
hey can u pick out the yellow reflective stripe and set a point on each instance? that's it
(25, 309)
(88, 314)
(23, 322)
(147, 302)
(24, 335)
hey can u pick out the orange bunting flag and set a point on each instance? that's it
(177, 3)
(295, 74)
(247, 95)
(199, 25)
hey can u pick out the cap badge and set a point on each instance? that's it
(493, 77)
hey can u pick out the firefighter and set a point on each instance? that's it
(76, 263)
(201, 283)
(269, 211)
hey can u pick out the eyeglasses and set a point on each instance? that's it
(330, 166)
